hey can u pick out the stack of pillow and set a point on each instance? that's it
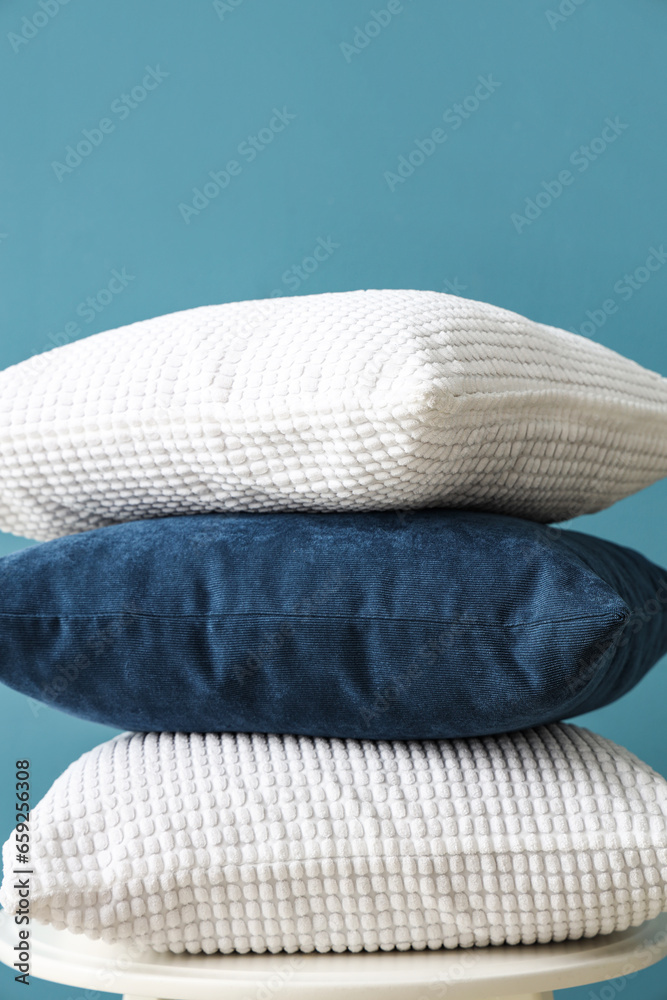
(301, 549)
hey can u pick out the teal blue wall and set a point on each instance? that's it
(552, 81)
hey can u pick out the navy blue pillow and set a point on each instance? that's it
(396, 625)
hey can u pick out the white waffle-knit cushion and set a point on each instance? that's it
(246, 842)
(356, 400)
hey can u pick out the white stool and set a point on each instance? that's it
(522, 972)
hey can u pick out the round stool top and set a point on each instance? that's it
(460, 974)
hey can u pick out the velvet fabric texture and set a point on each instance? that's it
(395, 625)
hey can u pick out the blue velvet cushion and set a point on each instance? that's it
(417, 625)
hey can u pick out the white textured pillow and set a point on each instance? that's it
(263, 843)
(355, 400)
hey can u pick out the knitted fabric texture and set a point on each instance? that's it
(355, 400)
(266, 843)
